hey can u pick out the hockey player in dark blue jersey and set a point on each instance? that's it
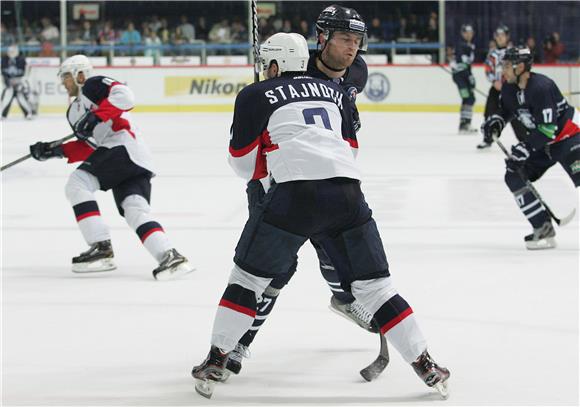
(295, 134)
(463, 78)
(15, 86)
(553, 136)
(341, 37)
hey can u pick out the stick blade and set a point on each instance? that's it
(567, 219)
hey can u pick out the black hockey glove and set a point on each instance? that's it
(255, 192)
(520, 153)
(492, 127)
(85, 126)
(356, 120)
(43, 151)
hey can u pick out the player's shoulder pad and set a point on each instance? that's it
(96, 88)
(358, 74)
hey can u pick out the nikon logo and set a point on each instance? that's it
(215, 87)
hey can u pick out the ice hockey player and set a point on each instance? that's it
(536, 102)
(13, 72)
(341, 37)
(493, 70)
(299, 130)
(113, 157)
(463, 78)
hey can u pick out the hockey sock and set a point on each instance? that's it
(393, 315)
(466, 114)
(136, 211)
(265, 305)
(234, 316)
(90, 222)
(331, 277)
(531, 207)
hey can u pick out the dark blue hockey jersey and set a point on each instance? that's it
(541, 108)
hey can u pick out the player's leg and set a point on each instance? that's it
(467, 101)
(252, 274)
(79, 190)
(359, 257)
(132, 197)
(342, 302)
(23, 102)
(491, 108)
(536, 165)
(7, 97)
(567, 153)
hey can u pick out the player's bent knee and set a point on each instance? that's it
(80, 187)
(251, 282)
(513, 181)
(373, 293)
(135, 206)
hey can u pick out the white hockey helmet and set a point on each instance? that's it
(74, 65)
(289, 50)
(13, 51)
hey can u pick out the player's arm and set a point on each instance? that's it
(495, 123)
(348, 128)
(74, 151)
(112, 99)
(246, 136)
(545, 114)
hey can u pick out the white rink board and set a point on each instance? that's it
(503, 319)
(212, 88)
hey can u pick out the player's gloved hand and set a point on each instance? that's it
(356, 120)
(85, 126)
(492, 127)
(43, 151)
(520, 153)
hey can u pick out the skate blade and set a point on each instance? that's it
(443, 389)
(204, 387)
(225, 376)
(94, 267)
(176, 272)
(542, 244)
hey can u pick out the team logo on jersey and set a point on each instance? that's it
(521, 97)
(575, 167)
(351, 93)
(378, 87)
(525, 117)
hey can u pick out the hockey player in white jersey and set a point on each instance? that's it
(298, 132)
(113, 157)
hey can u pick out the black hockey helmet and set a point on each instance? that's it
(502, 29)
(518, 55)
(338, 18)
(466, 28)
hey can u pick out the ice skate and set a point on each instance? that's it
(210, 371)
(483, 145)
(465, 128)
(173, 265)
(234, 364)
(98, 258)
(542, 238)
(432, 374)
(354, 312)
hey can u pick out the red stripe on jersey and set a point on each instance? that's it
(238, 308)
(106, 110)
(396, 320)
(244, 150)
(76, 151)
(570, 128)
(88, 215)
(146, 235)
(353, 143)
(122, 124)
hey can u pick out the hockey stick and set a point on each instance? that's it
(27, 156)
(254, 7)
(560, 222)
(372, 371)
(485, 95)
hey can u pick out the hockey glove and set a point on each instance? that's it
(356, 124)
(520, 153)
(492, 127)
(85, 126)
(43, 151)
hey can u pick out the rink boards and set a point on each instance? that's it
(397, 88)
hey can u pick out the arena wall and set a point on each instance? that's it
(402, 88)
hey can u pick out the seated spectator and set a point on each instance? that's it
(220, 32)
(531, 44)
(187, 29)
(153, 41)
(432, 31)
(49, 32)
(130, 36)
(238, 31)
(553, 49)
(87, 34)
(107, 35)
(304, 30)
(375, 31)
(163, 32)
(287, 26)
(47, 50)
(6, 37)
(202, 30)
(155, 24)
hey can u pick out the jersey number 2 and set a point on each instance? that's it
(316, 111)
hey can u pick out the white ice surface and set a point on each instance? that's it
(503, 319)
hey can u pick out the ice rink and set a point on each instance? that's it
(504, 320)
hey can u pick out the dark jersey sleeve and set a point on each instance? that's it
(357, 76)
(96, 88)
(544, 111)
